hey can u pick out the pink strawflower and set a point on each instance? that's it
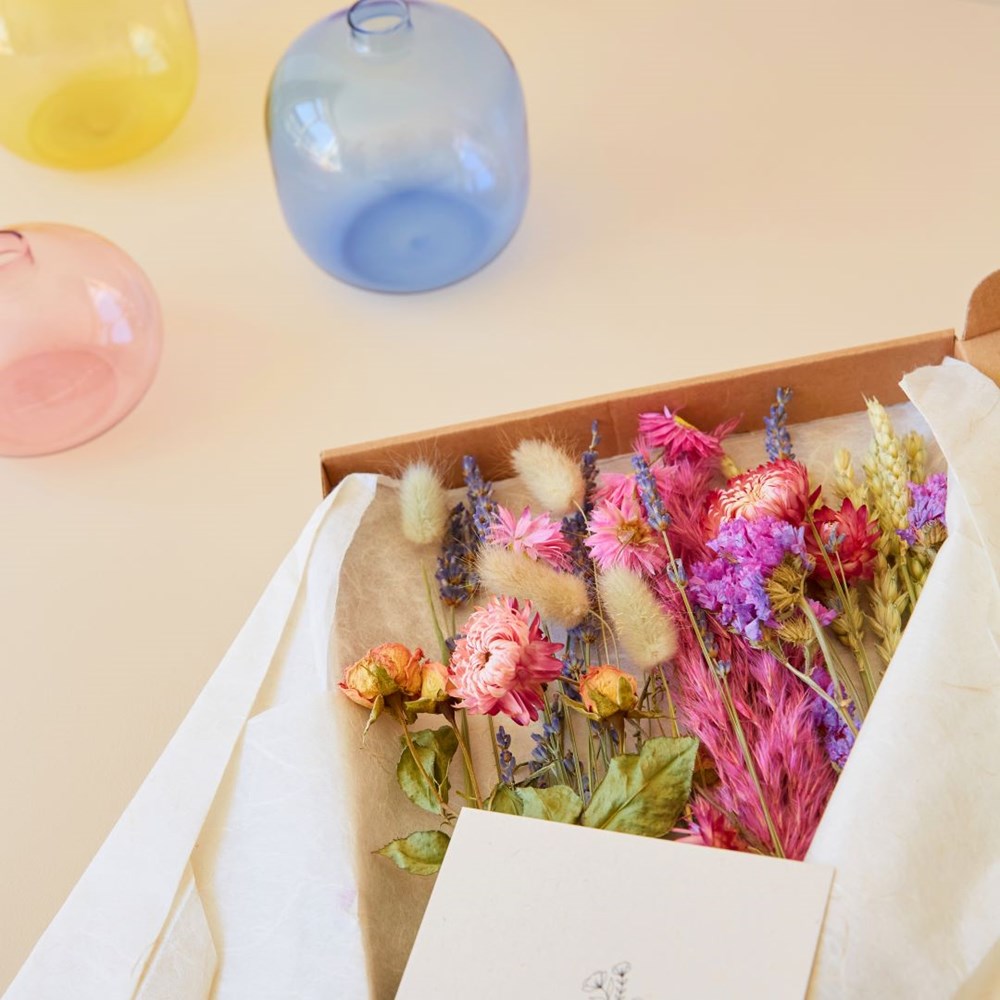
(776, 489)
(540, 537)
(680, 439)
(620, 535)
(850, 539)
(502, 661)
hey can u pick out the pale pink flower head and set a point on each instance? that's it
(502, 660)
(776, 489)
(680, 439)
(620, 535)
(540, 537)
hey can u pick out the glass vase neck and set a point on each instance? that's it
(15, 252)
(380, 27)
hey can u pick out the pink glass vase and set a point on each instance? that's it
(80, 336)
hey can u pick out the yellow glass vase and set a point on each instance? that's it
(89, 83)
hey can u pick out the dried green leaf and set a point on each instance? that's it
(434, 750)
(504, 800)
(419, 854)
(645, 793)
(559, 803)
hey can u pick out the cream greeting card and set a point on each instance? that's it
(528, 908)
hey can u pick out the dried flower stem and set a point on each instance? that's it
(496, 751)
(568, 721)
(462, 735)
(834, 667)
(852, 622)
(671, 711)
(837, 706)
(438, 632)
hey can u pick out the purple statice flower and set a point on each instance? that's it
(481, 502)
(652, 502)
(833, 731)
(456, 575)
(777, 440)
(732, 585)
(507, 761)
(927, 508)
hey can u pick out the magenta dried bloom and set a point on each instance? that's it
(680, 439)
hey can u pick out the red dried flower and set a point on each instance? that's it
(850, 538)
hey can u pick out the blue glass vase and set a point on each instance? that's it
(399, 145)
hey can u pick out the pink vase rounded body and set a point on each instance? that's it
(80, 337)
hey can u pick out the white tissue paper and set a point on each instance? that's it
(242, 869)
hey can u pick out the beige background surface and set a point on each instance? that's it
(715, 184)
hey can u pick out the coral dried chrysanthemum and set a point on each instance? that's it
(502, 660)
(776, 489)
(620, 535)
(850, 539)
(539, 537)
(678, 438)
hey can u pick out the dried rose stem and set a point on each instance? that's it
(727, 698)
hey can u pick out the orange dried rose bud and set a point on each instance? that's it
(607, 690)
(385, 670)
(434, 682)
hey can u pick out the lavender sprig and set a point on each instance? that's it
(656, 512)
(507, 761)
(456, 575)
(777, 440)
(481, 502)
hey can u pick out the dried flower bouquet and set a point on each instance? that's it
(694, 648)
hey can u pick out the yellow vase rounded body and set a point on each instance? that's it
(89, 83)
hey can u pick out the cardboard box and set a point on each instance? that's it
(824, 385)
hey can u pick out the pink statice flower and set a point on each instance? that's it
(680, 439)
(620, 535)
(926, 517)
(502, 660)
(776, 489)
(539, 537)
